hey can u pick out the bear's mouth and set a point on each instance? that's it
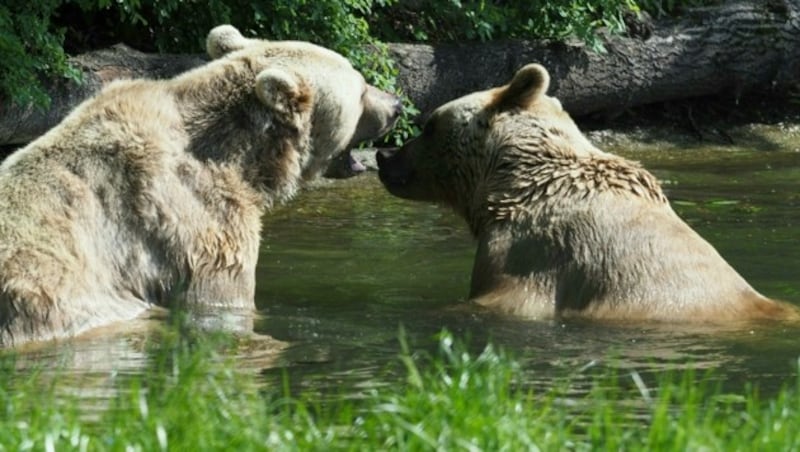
(344, 165)
(356, 166)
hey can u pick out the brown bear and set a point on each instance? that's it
(563, 228)
(151, 192)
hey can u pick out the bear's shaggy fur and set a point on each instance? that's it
(152, 191)
(563, 228)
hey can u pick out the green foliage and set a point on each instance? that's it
(34, 42)
(32, 33)
(31, 47)
(481, 20)
(194, 397)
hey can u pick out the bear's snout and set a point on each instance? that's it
(397, 108)
(394, 101)
(393, 168)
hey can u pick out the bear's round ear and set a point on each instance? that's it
(284, 92)
(530, 82)
(224, 39)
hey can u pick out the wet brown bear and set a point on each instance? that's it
(563, 228)
(152, 191)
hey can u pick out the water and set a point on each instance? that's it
(346, 266)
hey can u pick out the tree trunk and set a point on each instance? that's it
(20, 125)
(731, 48)
(740, 45)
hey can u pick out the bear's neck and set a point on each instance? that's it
(513, 274)
(226, 125)
(542, 220)
(524, 188)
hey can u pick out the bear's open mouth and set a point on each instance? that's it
(344, 165)
(355, 165)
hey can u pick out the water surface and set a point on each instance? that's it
(345, 266)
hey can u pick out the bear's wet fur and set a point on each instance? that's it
(151, 192)
(563, 228)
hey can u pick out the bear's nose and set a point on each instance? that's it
(397, 107)
(393, 168)
(384, 154)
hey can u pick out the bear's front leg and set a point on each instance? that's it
(231, 289)
(220, 260)
(223, 300)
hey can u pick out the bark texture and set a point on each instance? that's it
(734, 47)
(20, 125)
(740, 45)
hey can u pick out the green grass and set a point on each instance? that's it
(193, 399)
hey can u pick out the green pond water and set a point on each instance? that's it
(346, 265)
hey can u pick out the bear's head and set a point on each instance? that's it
(308, 91)
(469, 149)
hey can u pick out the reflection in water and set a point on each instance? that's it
(345, 266)
(98, 365)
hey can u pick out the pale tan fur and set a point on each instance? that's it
(152, 191)
(563, 228)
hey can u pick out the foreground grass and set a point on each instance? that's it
(453, 400)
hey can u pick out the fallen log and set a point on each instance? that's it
(738, 46)
(735, 47)
(21, 124)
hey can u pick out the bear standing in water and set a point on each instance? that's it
(152, 191)
(563, 228)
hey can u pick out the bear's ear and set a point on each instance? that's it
(224, 39)
(530, 82)
(283, 91)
